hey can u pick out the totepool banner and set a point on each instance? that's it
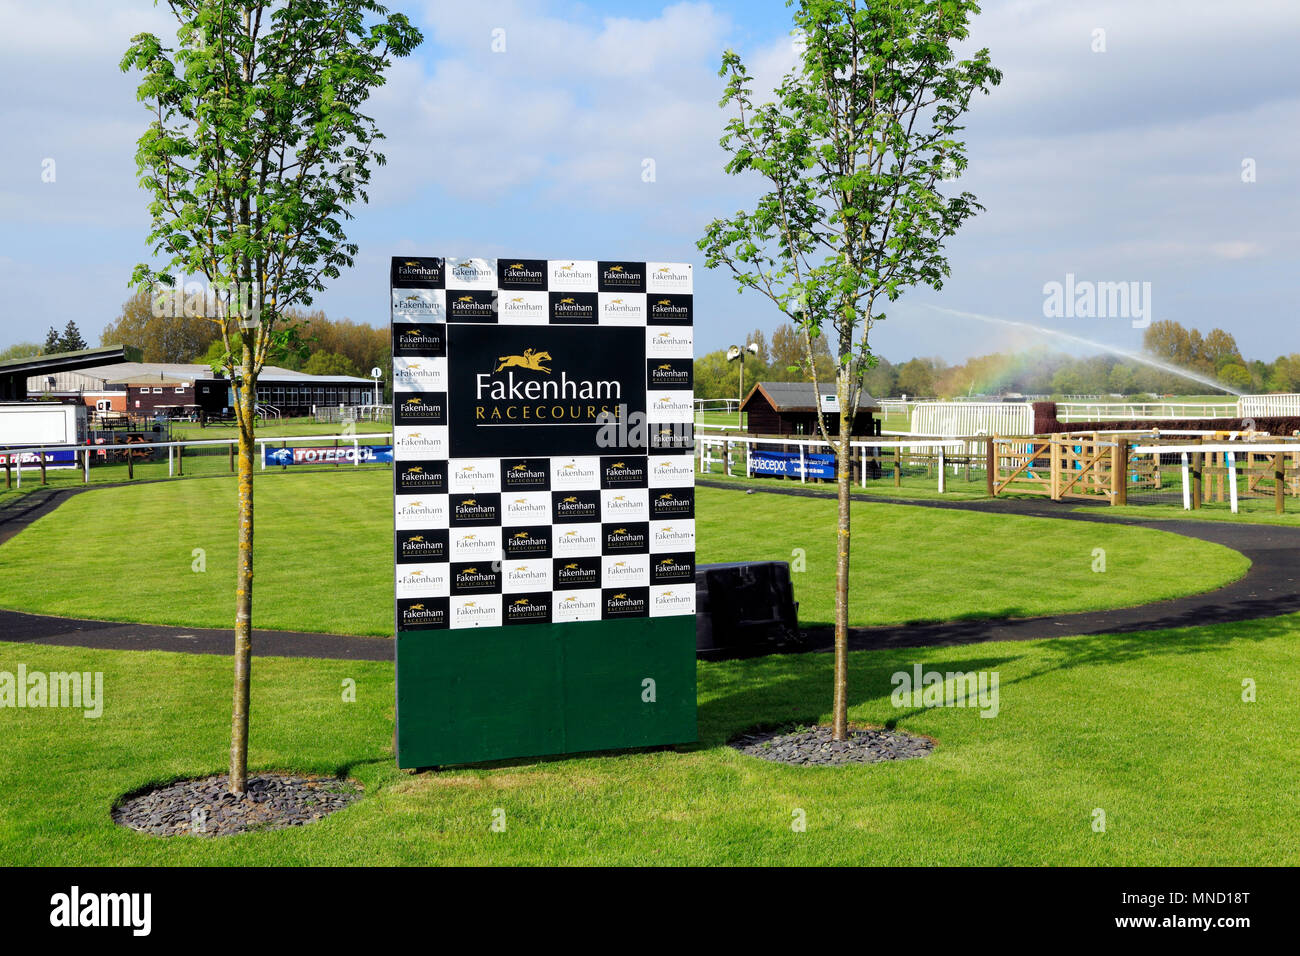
(327, 455)
(544, 506)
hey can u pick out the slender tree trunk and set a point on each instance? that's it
(843, 478)
(243, 591)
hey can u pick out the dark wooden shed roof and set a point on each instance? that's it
(800, 396)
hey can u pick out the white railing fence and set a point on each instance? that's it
(87, 452)
(712, 450)
(1261, 406)
(972, 418)
(1142, 411)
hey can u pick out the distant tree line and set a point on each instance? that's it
(331, 346)
(1032, 372)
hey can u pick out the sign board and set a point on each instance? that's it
(58, 458)
(544, 506)
(812, 465)
(327, 455)
(830, 402)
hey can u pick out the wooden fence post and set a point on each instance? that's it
(1198, 462)
(1279, 482)
(40, 453)
(232, 457)
(1119, 476)
(180, 460)
(898, 466)
(990, 466)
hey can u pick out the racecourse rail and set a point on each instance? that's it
(232, 443)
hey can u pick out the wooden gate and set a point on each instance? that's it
(1059, 466)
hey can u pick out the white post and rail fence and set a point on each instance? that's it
(129, 453)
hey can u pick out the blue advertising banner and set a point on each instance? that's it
(327, 455)
(58, 458)
(787, 463)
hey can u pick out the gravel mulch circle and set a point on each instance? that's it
(813, 746)
(204, 807)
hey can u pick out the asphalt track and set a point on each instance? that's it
(1269, 589)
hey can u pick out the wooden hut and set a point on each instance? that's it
(790, 409)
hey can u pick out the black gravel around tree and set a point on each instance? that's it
(814, 746)
(205, 808)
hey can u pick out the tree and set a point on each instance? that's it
(1220, 349)
(1168, 340)
(789, 360)
(916, 378)
(1235, 375)
(256, 149)
(764, 356)
(161, 331)
(329, 363)
(852, 153)
(20, 350)
(72, 340)
(882, 380)
(69, 341)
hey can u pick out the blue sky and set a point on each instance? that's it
(1122, 165)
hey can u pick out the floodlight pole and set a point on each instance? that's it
(740, 396)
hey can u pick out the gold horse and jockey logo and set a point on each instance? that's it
(522, 466)
(566, 302)
(517, 265)
(571, 500)
(531, 360)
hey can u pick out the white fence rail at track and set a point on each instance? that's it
(972, 418)
(87, 451)
(714, 449)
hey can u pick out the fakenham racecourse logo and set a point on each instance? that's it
(531, 359)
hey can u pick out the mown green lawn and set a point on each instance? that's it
(1250, 511)
(1150, 728)
(324, 556)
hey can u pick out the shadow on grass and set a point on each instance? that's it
(796, 688)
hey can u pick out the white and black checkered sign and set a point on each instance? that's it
(542, 430)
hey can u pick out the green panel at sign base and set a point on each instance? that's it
(533, 689)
